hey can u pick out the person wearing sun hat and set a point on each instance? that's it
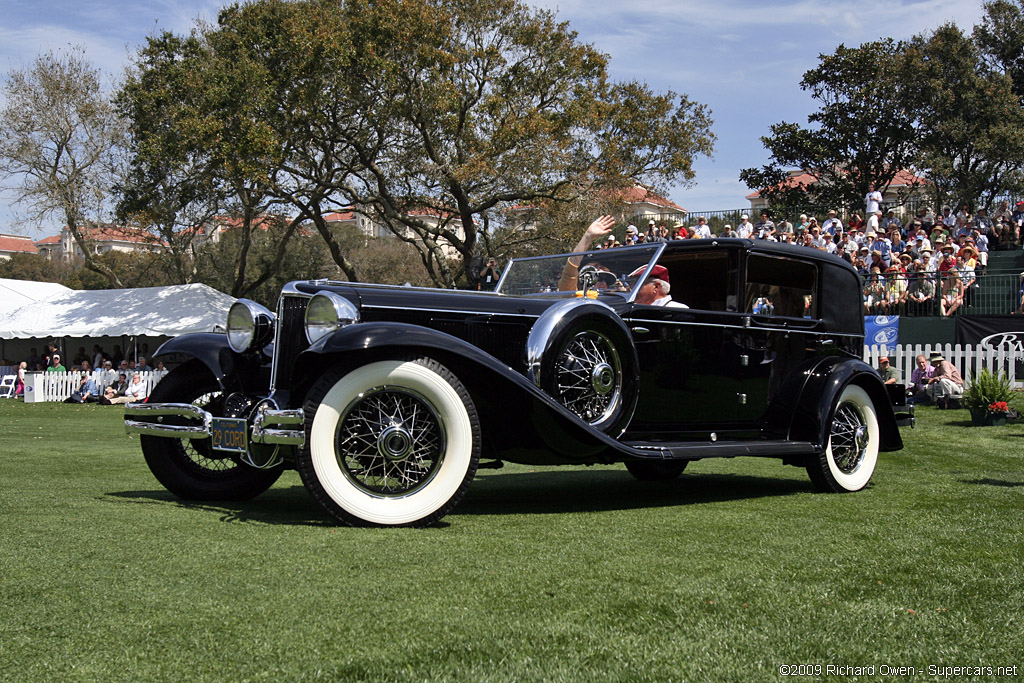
(905, 261)
(945, 385)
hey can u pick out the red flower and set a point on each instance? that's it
(998, 407)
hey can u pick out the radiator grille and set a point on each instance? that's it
(290, 338)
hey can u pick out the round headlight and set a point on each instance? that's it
(327, 312)
(249, 324)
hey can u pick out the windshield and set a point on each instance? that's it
(610, 270)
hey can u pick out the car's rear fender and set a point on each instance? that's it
(823, 382)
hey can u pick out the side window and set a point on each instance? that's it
(780, 286)
(703, 280)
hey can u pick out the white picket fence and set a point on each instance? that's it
(57, 386)
(968, 360)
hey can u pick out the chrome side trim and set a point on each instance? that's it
(159, 410)
(492, 314)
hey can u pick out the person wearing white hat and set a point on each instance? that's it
(745, 229)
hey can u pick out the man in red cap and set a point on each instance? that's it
(889, 374)
(655, 289)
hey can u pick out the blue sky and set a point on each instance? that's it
(742, 58)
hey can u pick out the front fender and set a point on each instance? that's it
(233, 371)
(521, 421)
(823, 383)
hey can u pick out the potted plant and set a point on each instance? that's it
(987, 398)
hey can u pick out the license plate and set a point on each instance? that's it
(230, 434)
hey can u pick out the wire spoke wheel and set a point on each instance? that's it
(848, 461)
(199, 452)
(390, 441)
(190, 468)
(849, 437)
(588, 376)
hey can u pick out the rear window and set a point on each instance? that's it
(781, 286)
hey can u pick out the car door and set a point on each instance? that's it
(692, 381)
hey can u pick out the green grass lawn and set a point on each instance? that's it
(540, 574)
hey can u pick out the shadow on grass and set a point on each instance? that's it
(280, 505)
(520, 493)
(993, 482)
(555, 491)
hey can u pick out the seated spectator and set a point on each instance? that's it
(81, 356)
(88, 389)
(55, 364)
(895, 291)
(115, 390)
(135, 392)
(889, 374)
(159, 371)
(952, 295)
(945, 384)
(874, 291)
(919, 380)
(920, 292)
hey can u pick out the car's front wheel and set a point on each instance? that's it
(190, 468)
(391, 443)
(852, 452)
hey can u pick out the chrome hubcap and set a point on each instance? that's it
(395, 443)
(602, 378)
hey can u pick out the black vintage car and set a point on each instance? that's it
(387, 399)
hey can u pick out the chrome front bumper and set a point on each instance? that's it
(275, 427)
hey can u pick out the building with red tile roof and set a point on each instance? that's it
(100, 240)
(904, 183)
(16, 244)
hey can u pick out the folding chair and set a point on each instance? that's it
(7, 386)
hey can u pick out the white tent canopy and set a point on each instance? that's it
(16, 293)
(153, 311)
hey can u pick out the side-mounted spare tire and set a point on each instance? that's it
(581, 353)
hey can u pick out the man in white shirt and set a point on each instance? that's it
(702, 231)
(832, 224)
(745, 229)
(873, 200)
(135, 392)
(655, 290)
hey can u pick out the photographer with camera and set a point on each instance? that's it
(489, 275)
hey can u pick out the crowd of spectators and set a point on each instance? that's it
(925, 265)
(101, 377)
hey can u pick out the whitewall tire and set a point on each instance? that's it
(391, 443)
(852, 451)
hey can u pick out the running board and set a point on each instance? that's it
(695, 450)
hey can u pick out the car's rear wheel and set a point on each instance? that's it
(391, 443)
(851, 455)
(656, 470)
(190, 468)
